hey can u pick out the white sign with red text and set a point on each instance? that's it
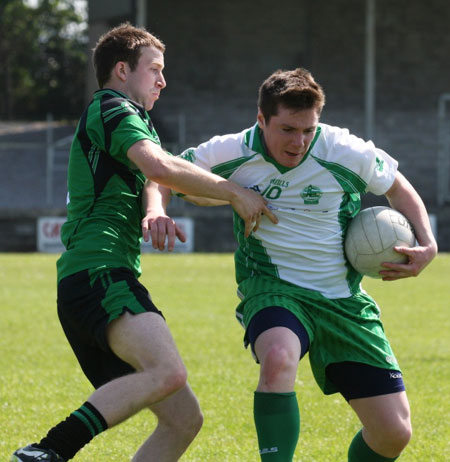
(49, 235)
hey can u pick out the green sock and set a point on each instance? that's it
(277, 421)
(360, 452)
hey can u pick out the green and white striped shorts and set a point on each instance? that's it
(344, 329)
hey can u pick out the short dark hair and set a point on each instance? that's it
(294, 89)
(122, 43)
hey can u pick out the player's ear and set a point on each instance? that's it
(121, 70)
(260, 119)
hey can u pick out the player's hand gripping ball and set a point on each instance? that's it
(372, 236)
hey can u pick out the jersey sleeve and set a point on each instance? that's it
(130, 130)
(372, 165)
(124, 125)
(383, 173)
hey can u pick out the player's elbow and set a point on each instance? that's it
(159, 172)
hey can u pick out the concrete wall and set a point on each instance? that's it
(217, 57)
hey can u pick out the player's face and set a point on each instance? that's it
(289, 134)
(145, 83)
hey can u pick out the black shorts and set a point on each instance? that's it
(357, 380)
(87, 303)
(276, 316)
(352, 379)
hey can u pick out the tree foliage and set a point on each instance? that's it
(43, 51)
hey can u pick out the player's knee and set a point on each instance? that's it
(401, 430)
(401, 435)
(279, 364)
(174, 379)
(168, 378)
(395, 437)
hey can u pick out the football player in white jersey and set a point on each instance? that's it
(298, 293)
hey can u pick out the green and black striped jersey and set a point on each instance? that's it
(313, 201)
(104, 187)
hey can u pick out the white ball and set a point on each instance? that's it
(371, 237)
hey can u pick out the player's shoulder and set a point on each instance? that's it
(337, 141)
(230, 144)
(113, 103)
(331, 134)
(229, 139)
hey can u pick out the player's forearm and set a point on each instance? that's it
(191, 180)
(180, 175)
(403, 197)
(155, 197)
(204, 201)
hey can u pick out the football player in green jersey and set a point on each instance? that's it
(298, 292)
(119, 336)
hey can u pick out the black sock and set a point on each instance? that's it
(70, 435)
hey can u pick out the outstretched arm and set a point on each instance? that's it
(187, 178)
(403, 197)
(205, 201)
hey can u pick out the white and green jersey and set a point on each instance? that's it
(314, 203)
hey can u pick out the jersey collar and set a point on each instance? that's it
(254, 140)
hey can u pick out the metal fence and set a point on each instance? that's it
(54, 150)
(57, 155)
(443, 164)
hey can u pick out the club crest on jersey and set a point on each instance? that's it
(311, 194)
(380, 164)
(189, 155)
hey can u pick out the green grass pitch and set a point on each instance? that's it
(41, 383)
